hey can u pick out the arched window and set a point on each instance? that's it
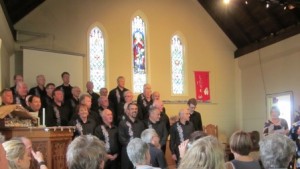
(139, 54)
(177, 61)
(97, 58)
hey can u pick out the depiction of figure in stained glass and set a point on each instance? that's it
(177, 65)
(138, 52)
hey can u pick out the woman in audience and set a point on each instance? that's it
(276, 151)
(254, 153)
(17, 156)
(275, 124)
(204, 153)
(183, 147)
(241, 145)
(138, 153)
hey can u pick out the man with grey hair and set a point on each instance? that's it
(21, 93)
(138, 153)
(276, 151)
(154, 122)
(40, 89)
(86, 151)
(150, 137)
(180, 131)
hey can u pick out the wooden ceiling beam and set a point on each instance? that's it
(294, 30)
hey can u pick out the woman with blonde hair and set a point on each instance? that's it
(16, 154)
(18, 157)
(204, 153)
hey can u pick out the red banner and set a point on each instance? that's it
(202, 86)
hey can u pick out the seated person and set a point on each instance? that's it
(86, 152)
(150, 137)
(211, 156)
(138, 153)
(241, 145)
(276, 151)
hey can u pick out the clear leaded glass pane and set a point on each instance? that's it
(97, 62)
(177, 65)
(139, 54)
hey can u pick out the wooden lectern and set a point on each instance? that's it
(51, 141)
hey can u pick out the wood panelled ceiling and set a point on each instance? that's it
(249, 26)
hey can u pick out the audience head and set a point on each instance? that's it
(65, 76)
(82, 111)
(184, 115)
(121, 81)
(107, 116)
(40, 80)
(151, 137)
(154, 114)
(192, 103)
(76, 91)
(103, 91)
(49, 89)
(89, 86)
(16, 154)
(18, 78)
(21, 89)
(3, 160)
(195, 136)
(158, 104)
(26, 141)
(204, 153)
(86, 99)
(103, 101)
(138, 152)
(34, 103)
(254, 135)
(132, 110)
(240, 143)
(7, 96)
(155, 95)
(128, 96)
(86, 151)
(276, 150)
(58, 95)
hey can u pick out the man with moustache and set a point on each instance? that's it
(129, 128)
(108, 133)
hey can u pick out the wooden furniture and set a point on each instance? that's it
(211, 129)
(51, 141)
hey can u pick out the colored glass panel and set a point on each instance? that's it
(97, 58)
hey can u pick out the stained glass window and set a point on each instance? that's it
(97, 58)
(177, 65)
(139, 54)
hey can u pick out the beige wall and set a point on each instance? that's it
(6, 49)
(278, 73)
(65, 25)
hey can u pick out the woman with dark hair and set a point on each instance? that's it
(254, 153)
